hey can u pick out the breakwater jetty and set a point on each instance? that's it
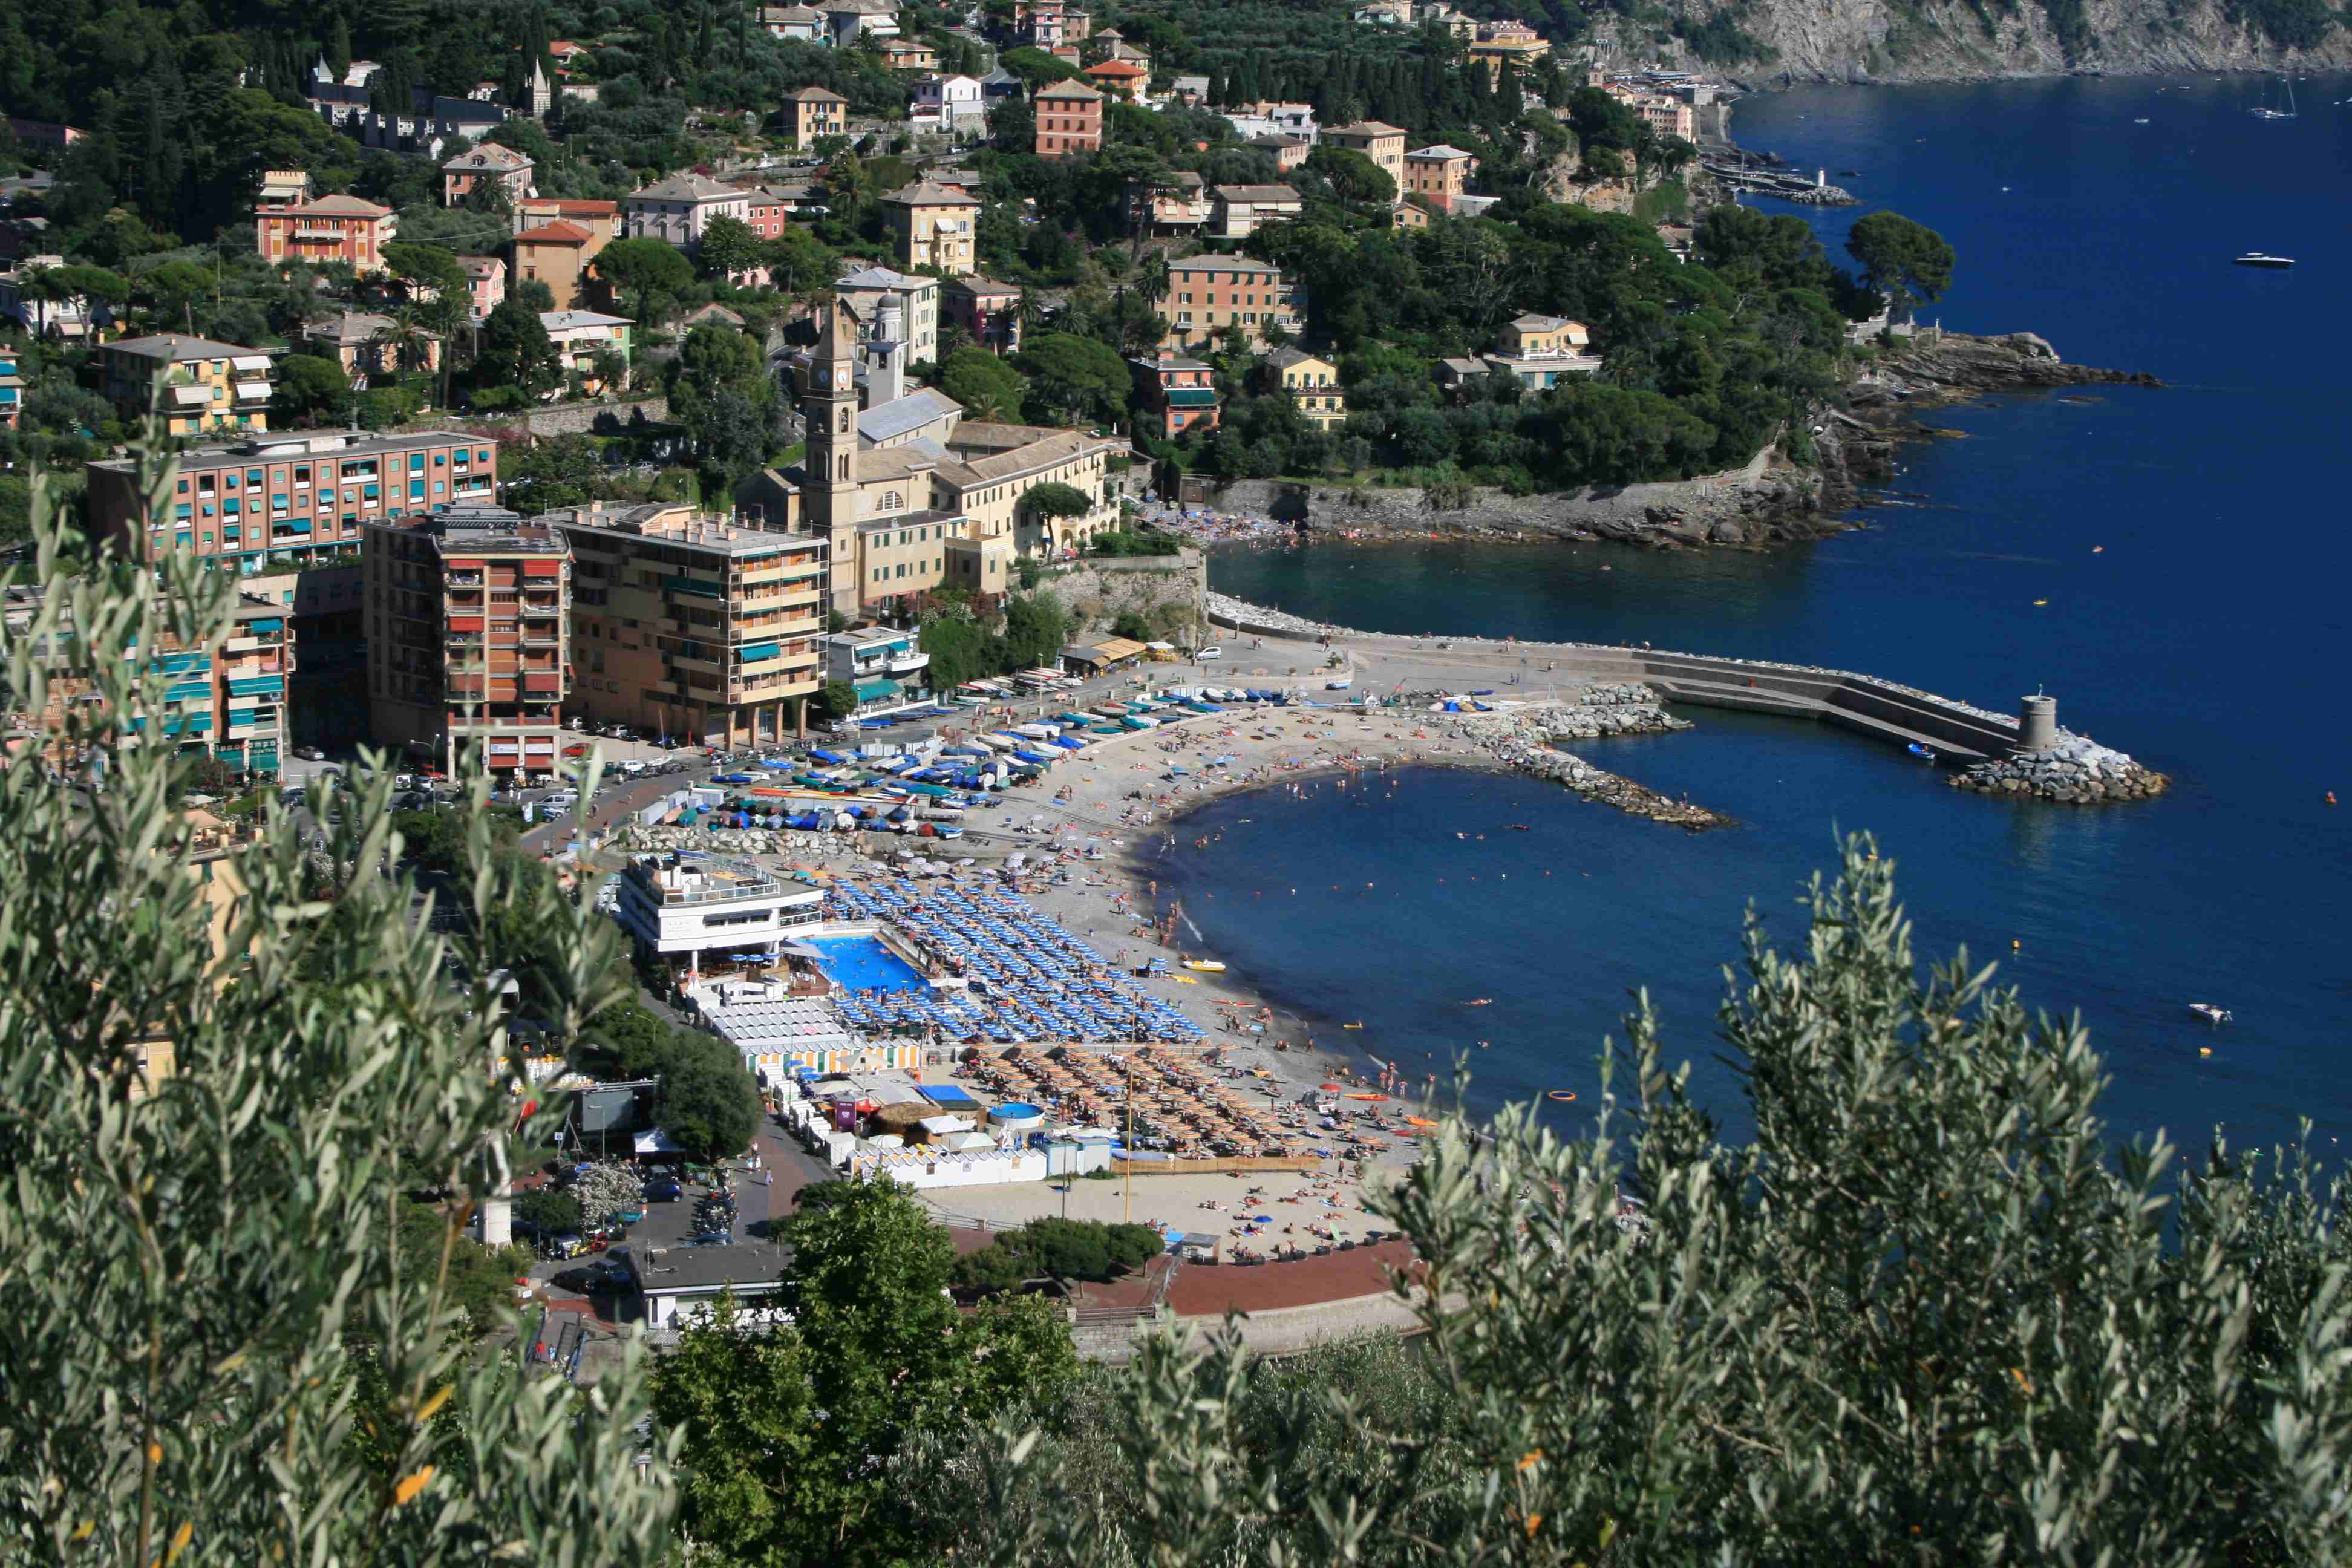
(2027, 750)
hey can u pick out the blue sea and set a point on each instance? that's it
(2190, 544)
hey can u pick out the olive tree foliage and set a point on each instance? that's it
(1927, 1316)
(212, 1350)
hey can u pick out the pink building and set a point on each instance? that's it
(487, 277)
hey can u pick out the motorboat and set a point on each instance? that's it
(1923, 752)
(2209, 1012)
(2260, 258)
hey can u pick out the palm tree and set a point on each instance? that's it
(1151, 278)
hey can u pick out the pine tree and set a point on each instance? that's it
(338, 48)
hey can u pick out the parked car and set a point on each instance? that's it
(310, 753)
(1204, 656)
(663, 1190)
(570, 1244)
(588, 1278)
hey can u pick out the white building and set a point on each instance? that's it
(718, 903)
(953, 103)
(885, 666)
(681, 1284)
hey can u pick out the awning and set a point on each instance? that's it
(257, 686)
(287, 526)
(1191, 397)
(253, 389)
(1118, 648)
(875, 690)
(265, 626)
(181, 690)
(249, 362)
(656, 1142)
(192, 397)
(756, 653)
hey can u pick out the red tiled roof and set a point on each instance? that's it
(556, 233)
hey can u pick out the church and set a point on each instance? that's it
(910, 495)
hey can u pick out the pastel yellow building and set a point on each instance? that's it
(1312, 383)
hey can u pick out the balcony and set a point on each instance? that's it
(541, 612)
(907, 663)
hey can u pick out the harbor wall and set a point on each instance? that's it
(1882, 708)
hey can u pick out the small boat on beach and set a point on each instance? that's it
(2210, 1013)
(1206, 966)
(2258, 259)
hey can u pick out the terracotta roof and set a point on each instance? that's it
(556, 233)
(1073, 90)
(1367, 128)
(1117, 67)
(813, 94)
(565, 204)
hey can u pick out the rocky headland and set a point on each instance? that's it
(1773, 500)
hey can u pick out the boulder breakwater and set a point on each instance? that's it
(2074, 772)
(1525, 738)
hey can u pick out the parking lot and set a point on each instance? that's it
(666, 1225)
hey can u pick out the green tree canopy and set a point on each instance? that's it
(1072, 376)
(1908, 262)
(648, 275)
(1055, 500)
(516, 350)
(987, 387)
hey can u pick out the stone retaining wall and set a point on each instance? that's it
(582, 419)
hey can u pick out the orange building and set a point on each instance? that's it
(332, 229)
(1069, 120)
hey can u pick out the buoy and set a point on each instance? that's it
(2204, 1050)
(2040, 601)
(1562, 1095)
(2098, 549)
(2014, 944)
(2331, 798)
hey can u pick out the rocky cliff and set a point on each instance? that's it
(1953, 41)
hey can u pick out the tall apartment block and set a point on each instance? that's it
(291, 498)
(467, 619)
(227, 702)
(693, 626)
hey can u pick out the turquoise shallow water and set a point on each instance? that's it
(2191, 544)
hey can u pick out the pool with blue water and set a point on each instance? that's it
(863, 963)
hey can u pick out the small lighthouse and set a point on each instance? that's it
(1820, 179)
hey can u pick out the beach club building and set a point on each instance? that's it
(716, 904)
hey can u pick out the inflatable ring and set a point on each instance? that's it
(1562, 1095)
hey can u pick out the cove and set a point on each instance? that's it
(2188, 543)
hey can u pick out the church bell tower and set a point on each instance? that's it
(832, 413)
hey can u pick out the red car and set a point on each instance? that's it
(575, 751)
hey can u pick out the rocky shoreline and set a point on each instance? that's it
(1525, 739)
(1772, 501)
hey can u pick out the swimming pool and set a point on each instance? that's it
(863, 963)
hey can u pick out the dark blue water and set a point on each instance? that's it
(2190, 544)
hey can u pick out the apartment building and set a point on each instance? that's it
(467, 613)
(227, 702)
(289, 497)
(366, 345)
(918, 307)
(692, 626)
(1120, 78)
(11, 392)
(1312, 384)
(486, 284)
(1289, 152)
(1180, 205)
(488, 164)
(794, 24)
(197, 385)
(680, 209)
(559, 255)
(881, 664)
(326, 617)
(600, 219)
(580, 336)
(1441, 173)
(1382, 143)
(955, 104)
(935, 225)
(1515, 44)
(1069, 120)
(988, 311)
(1242, 210)
(1210, 294)
(909, 55)
(332, 228)
(1180, 394)
(813, 111)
